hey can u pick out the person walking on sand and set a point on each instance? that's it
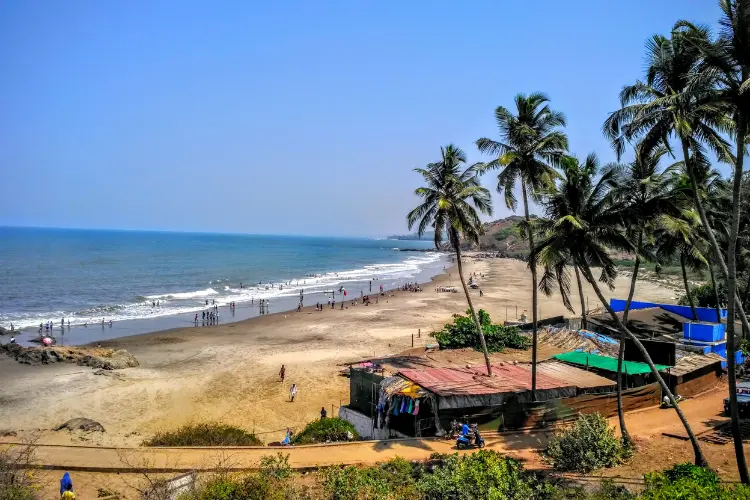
(66, 487)
(282, 373)
(292, 392)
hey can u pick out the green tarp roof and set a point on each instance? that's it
(606, 363)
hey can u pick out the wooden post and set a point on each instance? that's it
(516, 312)
(412, 340)
(419, 333)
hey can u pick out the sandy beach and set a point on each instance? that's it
(229, 373)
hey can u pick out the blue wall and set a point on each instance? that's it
(707, 314)
(704, 333)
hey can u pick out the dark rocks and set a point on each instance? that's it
(81, 424)
(105, 359)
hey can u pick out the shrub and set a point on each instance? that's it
(205, 434)
(354, 483)
(17, 466)
(588, 445)
(463, 333)
(274, 481)
(276, 466)
(690, 482)
(704, 295)
(484, 474)
(326, 430)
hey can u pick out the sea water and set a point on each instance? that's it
(87, 276)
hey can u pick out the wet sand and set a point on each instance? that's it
(230, 372)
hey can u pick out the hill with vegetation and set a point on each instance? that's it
(503, 236)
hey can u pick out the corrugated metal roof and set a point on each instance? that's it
(505, 379)
(574, 376)
(692, 362)
(449, 381)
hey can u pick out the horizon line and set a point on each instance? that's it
(180, 231)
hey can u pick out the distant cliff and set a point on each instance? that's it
(429, 236)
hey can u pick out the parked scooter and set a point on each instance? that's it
(455, 430)
(471, 439)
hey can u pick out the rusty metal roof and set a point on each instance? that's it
(505, 378)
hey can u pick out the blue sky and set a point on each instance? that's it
(286, 117)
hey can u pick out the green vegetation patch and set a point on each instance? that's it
(588, 445)
(326, 430)
(463, 333)
(205, 434)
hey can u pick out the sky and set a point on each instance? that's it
(287, 117)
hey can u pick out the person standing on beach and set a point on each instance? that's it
(282, 373)
(292, 392)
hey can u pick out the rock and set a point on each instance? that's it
(118, 360)
(6, 331)
(105, 359)
(81, 424)
(7, 433)
(110, 374)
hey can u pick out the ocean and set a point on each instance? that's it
(87, 276)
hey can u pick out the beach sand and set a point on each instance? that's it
(229, 373)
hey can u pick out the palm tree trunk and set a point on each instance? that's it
(636, 266)
(716, 292)
(731, 292)
(626, 439)
(533, 292)
(715, 248)
(744, 301)
(687, 286)
(457, 246)
(580, 294)
(700, 459)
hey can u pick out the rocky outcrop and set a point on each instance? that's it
(106, 359)
(81, 424)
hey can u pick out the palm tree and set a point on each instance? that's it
(677, 99)
(585, 232)
(696, 88)
(576, 177)
(645, 195)
(531, 145)
(679, 237)
(727, 63)
(451, 200)
(569, 197)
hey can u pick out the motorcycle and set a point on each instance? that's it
(455, 429)
(471, 440)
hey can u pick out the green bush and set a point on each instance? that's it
(588, 445)
(463, 333)
(690, 482)
(326, 430)
(274, 481)
(393, 479)
(484, 474)
(704, 296)
(205, 434)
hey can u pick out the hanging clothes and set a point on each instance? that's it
(403, 406)
(396, 405)
(416, 407)
(411, 406)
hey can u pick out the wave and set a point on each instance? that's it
(171, 303)
(198, 294)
